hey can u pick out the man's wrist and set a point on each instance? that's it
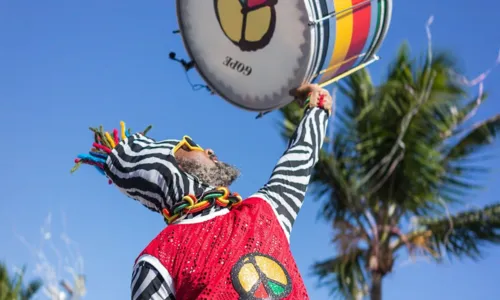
(308, 106)
(320, 102)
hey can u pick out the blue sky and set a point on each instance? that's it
(67, 65)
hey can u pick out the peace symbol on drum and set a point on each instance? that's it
(249, 24)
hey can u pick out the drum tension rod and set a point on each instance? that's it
(187, 65)
(335, 13)
(261, 114)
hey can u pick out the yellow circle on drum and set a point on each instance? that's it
(254, 52)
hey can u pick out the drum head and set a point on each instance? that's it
(251, 53)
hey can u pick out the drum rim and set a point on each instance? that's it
(384, 30)
(318, 9)
(387, 23)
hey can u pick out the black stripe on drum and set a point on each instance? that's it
(326, 37)
(386, 23)
(379, 30)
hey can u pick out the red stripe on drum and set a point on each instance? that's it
(254, 3)
(361, 30)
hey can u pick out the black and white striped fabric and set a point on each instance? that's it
(146, 170)
(286, 189)
(149, 284)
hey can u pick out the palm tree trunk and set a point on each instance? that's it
(376, 288)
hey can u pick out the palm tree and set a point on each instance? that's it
(402, 153)
(12, 288)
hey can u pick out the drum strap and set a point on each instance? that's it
(188, 66)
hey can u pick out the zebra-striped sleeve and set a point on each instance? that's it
(148, 284)
(287, 186)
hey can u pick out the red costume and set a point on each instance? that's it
(243, 254)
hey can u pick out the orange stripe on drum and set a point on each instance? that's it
(343, 36)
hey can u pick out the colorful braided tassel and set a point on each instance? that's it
(191, 205)
(103, 144)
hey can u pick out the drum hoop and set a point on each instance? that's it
(311, 13)
(313, 42)
(377, 41)
(322, 34)
(385, 26)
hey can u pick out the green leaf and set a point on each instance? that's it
(482, 134)
(461, 235)
(12, 286)
(343, 274)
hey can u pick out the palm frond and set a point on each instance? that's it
(461, 235)
(333, 177)
(344, 274)
(482, 134)
(31, 289)
(12, 286)
(292, 114)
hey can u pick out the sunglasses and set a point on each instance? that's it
(187, 144)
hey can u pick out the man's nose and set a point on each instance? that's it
(209, 152)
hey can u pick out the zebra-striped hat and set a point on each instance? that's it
(147, 171)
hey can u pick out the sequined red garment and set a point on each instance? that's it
(243, 254)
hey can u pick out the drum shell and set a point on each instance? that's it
(352, 35)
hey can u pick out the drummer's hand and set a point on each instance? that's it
(314, 92)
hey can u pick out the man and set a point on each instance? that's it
(216, 245)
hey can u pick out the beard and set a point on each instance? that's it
(218, 175)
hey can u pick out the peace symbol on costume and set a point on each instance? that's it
(259, 276)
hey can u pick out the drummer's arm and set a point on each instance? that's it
(149, 282)
(287, 186)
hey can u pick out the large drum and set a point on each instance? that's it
(254, 52)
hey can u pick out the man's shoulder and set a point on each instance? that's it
(257, 199)
(261, 201)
